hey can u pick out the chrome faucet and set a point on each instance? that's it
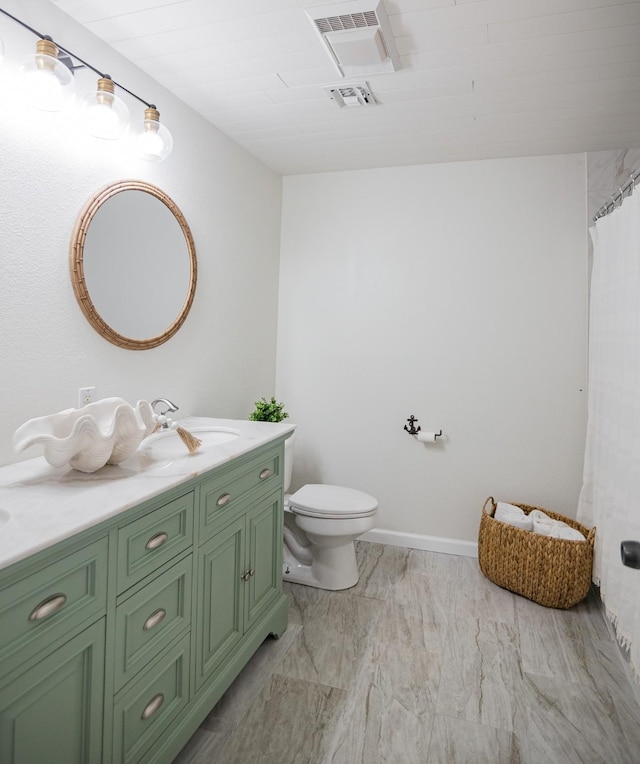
(170, 407)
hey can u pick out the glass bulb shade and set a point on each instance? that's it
(155, 143)
(105, 115)
(48, 83)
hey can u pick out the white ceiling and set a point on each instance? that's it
(479, 78)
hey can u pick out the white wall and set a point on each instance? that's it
(454, 292)
(223, 358)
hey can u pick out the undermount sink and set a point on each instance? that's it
(4, 517)
(167, 444)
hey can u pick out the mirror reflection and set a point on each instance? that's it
(133, 265)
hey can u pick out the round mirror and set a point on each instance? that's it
(133, 265)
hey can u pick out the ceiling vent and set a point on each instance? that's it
(357, 94)
(358, 37)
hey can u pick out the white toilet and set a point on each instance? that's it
(320, 525)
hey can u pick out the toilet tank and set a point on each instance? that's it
(289, 447)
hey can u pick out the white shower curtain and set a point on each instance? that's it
(610, 497)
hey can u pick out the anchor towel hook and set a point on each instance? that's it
(412, 429)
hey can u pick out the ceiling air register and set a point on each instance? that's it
(358, 37)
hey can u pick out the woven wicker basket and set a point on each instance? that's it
(552, 572)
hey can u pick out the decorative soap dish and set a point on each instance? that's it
(105, 432)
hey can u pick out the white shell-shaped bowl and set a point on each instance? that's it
(105, 432)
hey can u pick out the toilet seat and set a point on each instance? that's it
(331, 501)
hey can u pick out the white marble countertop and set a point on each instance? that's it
(45, 505)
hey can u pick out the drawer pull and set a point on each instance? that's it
(224, 499)
(153, 705)
(266, 472)
(157, 541)
(154, 619)
(50, 606)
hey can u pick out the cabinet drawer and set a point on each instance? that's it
(146, 544)
(222, 494)
(42, 607)
(145, 708)
(151, 619)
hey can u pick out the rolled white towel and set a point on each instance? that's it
(542, 524)
(556, 529)
(537, 514)
(561, 530)
(512, 515)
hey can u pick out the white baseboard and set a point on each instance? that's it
(417, 541)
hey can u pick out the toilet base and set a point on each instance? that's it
(333, 568)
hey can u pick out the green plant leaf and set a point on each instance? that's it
(268, 411)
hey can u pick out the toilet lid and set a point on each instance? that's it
(332, 501)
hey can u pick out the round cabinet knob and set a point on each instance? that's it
(630, 553)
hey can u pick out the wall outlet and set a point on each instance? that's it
(86, 395)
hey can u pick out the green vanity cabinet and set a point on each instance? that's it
(117, 642)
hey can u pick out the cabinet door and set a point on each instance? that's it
(264, 556)
(219, 615)
(53, 711)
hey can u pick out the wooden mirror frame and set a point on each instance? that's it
(76, 264)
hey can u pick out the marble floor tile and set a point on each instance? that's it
(591, 614)
(380, 730)
(455, 741)
(554, 642)
(558, 721)
(291, 722)
(481, 598)
(388, 714)
(429, 598)
(336, 628)
(232, 706)
(302, 599)
(448, 566)
(201, 748)
(480, 673)
(380, 566)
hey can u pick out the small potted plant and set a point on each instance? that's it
(268, 411)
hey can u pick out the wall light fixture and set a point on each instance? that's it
(49, 83)
(104, 114)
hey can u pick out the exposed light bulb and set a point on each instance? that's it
(155, 143)
(104, 114)
(48, 83)
(150, 143)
